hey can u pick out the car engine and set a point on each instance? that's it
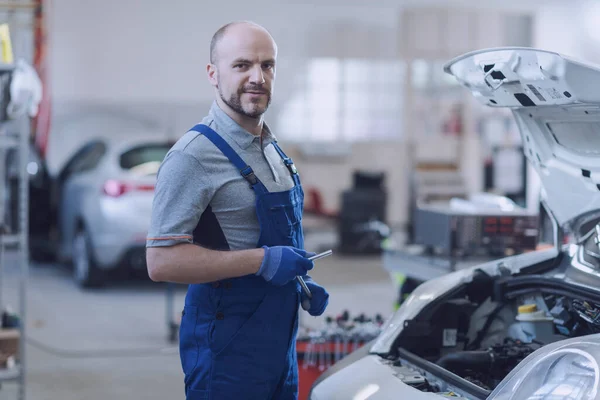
(477, 334)
(486, 368)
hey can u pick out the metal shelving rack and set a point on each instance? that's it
(15, 134)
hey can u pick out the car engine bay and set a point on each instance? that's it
(467, 342)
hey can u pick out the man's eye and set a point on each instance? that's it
(239, 65)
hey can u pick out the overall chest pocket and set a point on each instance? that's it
(286, 218)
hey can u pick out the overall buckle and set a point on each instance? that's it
(249, 175)
(290, 166)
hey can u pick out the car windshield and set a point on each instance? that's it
(144, 159)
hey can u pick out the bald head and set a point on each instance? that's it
(236, 28)
(242, 68)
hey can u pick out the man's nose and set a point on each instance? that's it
(257, 76)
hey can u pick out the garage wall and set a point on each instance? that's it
(135, 50)
(573, 29)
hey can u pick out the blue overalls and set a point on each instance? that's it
(238, 336)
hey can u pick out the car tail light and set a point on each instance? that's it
(114, 188)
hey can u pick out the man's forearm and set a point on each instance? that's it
(187, 263)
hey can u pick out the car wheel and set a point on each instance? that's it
(85, 271)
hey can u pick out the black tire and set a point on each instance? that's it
(86, 273)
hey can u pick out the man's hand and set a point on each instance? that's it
(281, 264)
(320, 297)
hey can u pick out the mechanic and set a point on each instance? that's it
(227, 220)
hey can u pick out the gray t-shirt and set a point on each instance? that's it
(196, 174)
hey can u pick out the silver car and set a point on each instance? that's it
(521, 327)
(105, 199)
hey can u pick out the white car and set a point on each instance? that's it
(521, 327)
(106, 193)
(102, 194)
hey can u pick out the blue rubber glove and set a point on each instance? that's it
(281, 264)
(320, 297)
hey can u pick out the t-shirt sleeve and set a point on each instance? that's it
(183, 191)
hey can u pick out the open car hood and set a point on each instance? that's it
(556, 103)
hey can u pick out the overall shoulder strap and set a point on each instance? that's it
(288, 163)
(245, 170)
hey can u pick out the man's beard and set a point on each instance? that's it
(235, 103)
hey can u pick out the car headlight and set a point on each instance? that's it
(569, 373)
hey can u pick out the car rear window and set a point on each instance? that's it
(146, 154)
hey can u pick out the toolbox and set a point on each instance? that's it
(320, 349)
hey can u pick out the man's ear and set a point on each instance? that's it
(211, 71)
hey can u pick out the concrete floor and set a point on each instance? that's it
(112, 343)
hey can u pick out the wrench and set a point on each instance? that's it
(306, 302)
